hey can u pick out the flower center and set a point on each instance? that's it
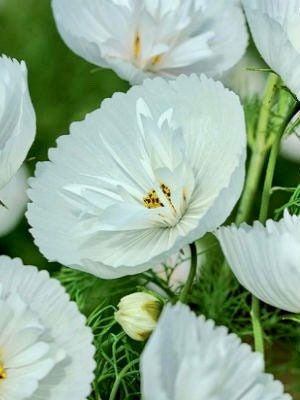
(3, 374)
(152, 199)
(137, 50)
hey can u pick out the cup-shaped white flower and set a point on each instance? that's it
(275, 27)
(265, 259)
(189, 358)
(149, 172)
(17, 118)
(149, 37)
(45, 347)
(14, 197)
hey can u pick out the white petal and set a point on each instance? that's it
(266, 260)
(14, 196)
(140, 39)
(88, 203)
(272, 23)
(17, 118)
(65, 369)
(189, 358)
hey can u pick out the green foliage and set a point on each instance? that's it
(293, 205)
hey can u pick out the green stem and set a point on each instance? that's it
(267, 190)
(263, 215)
(257, 328)
(256, 165)
(119, 378)
(189, 283)
(259, 152)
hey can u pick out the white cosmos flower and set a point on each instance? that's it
(266, 259)
(45, 347)
(188, 358)
(275, 27)
(15, 199)
(17, 118)
(149, 172)
(140, 38)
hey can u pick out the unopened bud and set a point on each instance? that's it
(138, 314)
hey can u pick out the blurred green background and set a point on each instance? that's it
(63, 88)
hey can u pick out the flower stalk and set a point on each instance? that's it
(189, 283)
(259, 152)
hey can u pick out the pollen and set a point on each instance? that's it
(156, 60)
(152, 200)
(137, 46)
(168, 195)
(3, 374)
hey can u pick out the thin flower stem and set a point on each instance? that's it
(256, 165)
(267, 190)
(259, 151)
(257, 328)
(119, 378)
(189, 283)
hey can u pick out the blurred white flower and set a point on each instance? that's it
(266, 259)
(140, 38)
(15, 199)
(290, 145)
(189, 358)
(244, 82)
(137, 180)
(180, 263)
(275, 27)
(46, 350)
(138, 314)
(17, 118)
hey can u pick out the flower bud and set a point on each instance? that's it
(138, 314)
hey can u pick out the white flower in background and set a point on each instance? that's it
(15, 199)
(148, 173)
(244, 82)
(17, 118)
(46, 350)
(180, 264)
(189, 358)
(138, 314)
(140, 38)
(275, 27)
(266, 259)
(290, 145)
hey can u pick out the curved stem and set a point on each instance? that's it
(119, 378)
(190, 280)
(256, 165)
(267, 190)
(259, 151)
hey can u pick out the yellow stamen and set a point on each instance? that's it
(3, 374)
(152, 200)
(137, 46)
(167, 192)
(156, 60)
